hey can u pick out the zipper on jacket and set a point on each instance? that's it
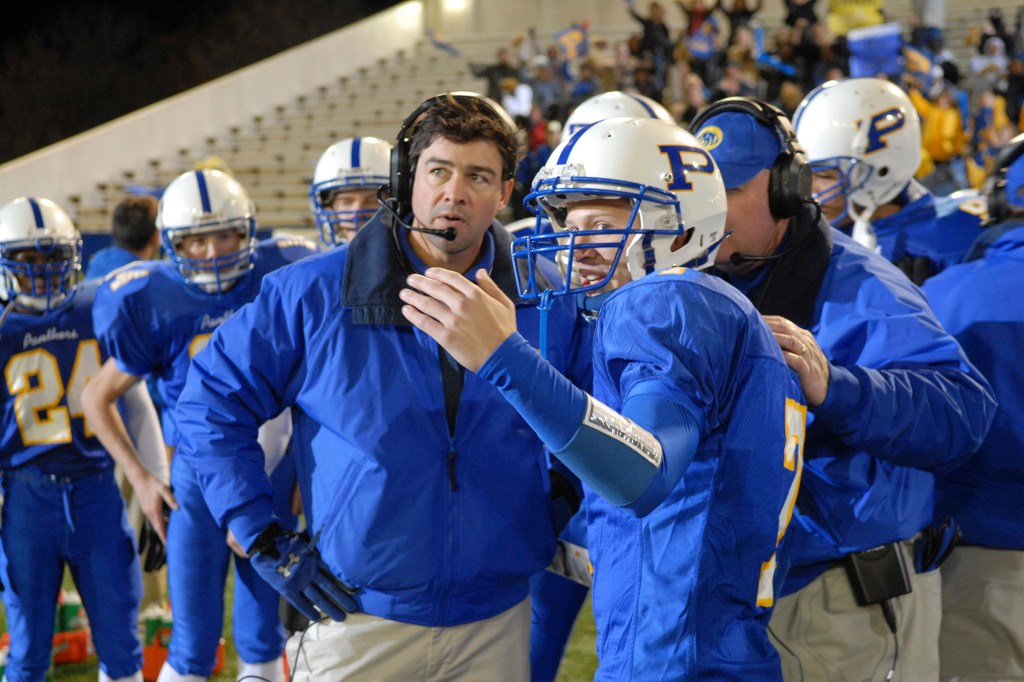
(452, 482)
(452, 377)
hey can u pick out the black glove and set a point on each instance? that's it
(291, 564)
(565, 501)
(151, 547)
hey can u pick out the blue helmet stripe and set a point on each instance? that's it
(37, 213)
(204, 193)
(356, 148)
(564, 156)
(645, 105)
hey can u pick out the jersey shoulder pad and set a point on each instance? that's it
(133, 276)
(288, 249)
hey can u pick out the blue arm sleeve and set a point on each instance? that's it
(632, 464)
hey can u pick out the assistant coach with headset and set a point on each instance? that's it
(428, 491)
(891, 398)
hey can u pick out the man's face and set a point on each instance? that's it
(37, 286)
(456, 187)
(823, 181)
(206, 247)
(748, 219)
(593, 263)
(356, 207)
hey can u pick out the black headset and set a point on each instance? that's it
(995, 186)
(789, 186)
(400, 186)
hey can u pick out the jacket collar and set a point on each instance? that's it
(376, 266)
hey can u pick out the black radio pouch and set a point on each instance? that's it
(878, 574)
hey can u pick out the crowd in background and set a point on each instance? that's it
(700, 51)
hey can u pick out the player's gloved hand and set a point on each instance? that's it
(565, 501)
(151, 547)
(291, 564)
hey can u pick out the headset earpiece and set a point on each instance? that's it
(995, 185)
(790, 186)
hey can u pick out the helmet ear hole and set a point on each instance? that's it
(682, 240)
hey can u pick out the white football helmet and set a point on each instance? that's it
(612, 104)
(867, 130)
(674, 186)
(44, 278)
(356, 163)
(201, 202)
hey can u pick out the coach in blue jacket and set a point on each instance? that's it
(983, 582)
(428, 493)
(891, 398)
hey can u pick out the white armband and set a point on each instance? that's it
(143, 426)
(273, 437)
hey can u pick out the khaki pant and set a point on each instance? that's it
(982, 615)
(823, 635)
(365, 647)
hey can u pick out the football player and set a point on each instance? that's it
(691, 446)
(153, 318)
(862, 137)
(555, 597)
(343, 193)
(61, 504)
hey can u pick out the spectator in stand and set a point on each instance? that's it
(800, 9)
(517, 98)
(697, 12)
(930, 19)
(496, 72)
(990, 68)
(643, 84)
(740, 14)
(995, 27)
(656, 44)
(942, 139)
(586, 85)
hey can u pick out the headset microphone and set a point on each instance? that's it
(448, 234)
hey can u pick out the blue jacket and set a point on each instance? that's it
(903, 402)
(979, 303)
(433, 527)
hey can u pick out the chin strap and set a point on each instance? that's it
(863, 233)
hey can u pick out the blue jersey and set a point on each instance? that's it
(108, 259)
(686, 591)
(941, 229)
(153, 322)
(47, 360)
(978, 302)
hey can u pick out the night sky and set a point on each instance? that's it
(70, 65)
